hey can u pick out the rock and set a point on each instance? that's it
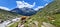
(42, 26)
(48, 24)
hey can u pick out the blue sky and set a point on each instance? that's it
(12, 3)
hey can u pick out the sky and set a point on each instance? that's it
(35, 4)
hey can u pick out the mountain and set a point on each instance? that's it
(24, 11)
(7, 15)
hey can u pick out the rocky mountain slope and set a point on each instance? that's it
(24, 11)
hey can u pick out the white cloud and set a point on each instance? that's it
(21, 4)
(39, 7)
(4, 8)
(36, 9)
(46, 4)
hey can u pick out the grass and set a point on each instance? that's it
(13, 25)
(57, 20)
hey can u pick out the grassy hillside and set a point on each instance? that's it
(52, 11)
(49, 14)
(5, 15)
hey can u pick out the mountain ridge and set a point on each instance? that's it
(24, 11)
